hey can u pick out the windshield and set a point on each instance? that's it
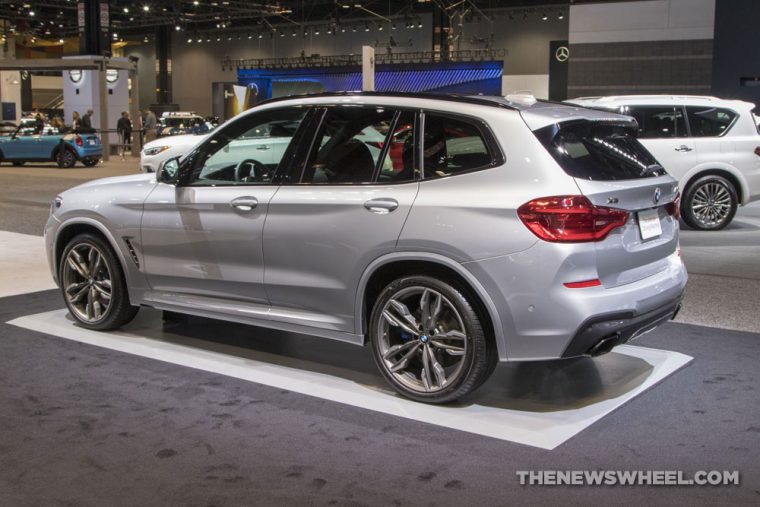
(598, 151)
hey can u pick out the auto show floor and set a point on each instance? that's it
(130, 420)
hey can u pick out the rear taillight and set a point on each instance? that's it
(79, 141)
(674, 208)
(570, 218)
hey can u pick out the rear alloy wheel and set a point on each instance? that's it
(65, 159)
(428, 341)
(93, 285)
(710, 203)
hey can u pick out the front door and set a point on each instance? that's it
(345, 208)
(202, 237)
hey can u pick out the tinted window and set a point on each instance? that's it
(246, 152)
(349, 145)
(398, 164)
(657, 122)
(709, 121)
(600, 152)
(452, 146)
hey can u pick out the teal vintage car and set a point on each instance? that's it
(30, 144)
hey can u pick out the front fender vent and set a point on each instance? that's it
(132, 252)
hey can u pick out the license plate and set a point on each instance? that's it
(91, 142)
(649, 224)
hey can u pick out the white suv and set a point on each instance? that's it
(710, 145)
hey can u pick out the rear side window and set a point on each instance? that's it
(453, 145)
(657, 122)
(709, 121)
(598, 151)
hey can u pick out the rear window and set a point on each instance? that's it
(598, 151)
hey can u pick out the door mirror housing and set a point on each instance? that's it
(168, 171)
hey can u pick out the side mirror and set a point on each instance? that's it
(168, 171)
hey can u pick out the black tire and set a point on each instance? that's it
(90, 162)
(119, 311)
(65, 158)
(470, 372)
(19, 163)
(709, 203)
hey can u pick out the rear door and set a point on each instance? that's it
(344, 206)
(613, 170)
(663, 130)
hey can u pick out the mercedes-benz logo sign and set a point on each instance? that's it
(657, 195)
(562, 54)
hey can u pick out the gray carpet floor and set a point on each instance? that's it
(81, 425)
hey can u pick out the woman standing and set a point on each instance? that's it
(75, 120)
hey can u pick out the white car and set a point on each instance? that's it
(155, 152)
(710, 145)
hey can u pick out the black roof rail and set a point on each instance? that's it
(465, 99)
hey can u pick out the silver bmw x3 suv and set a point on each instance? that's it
(448, 233)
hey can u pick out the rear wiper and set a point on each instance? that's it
(652, 170)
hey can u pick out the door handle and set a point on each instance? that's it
(246, 203)
(683, 148)
(382, 205)
(262, 147)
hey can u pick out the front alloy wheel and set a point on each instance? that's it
(710, 203)
(428, 341)
(93, 285)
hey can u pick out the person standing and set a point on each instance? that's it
(76, 121)
(150, 124)
(86, 124)
(124, 128)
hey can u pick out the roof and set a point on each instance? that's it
(620, 100)
(535, 113)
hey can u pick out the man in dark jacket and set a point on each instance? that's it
(124, 128)
(85, 125)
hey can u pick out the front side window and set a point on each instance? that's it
(248, 151)
(709, 121)
(350, 146)
(453, 146)
(657, 122)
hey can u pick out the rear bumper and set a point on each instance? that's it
(599, 334)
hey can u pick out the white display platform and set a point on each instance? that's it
(23, 266)
(537, 404)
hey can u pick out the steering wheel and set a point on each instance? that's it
(254, 169)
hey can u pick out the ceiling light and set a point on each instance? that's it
(250, 36)
(195, 2)
(126, 10)
(146, 8)
(419, 24)
(379, 28)
(366, 27)
(561, 16)
(189, 40)
(31, 13)
(544, 17)
(261, 36)
(178, 28)
(393, 26)
(316, 31)
(60, 41)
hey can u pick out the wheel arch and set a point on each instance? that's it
(725, 171)
(70, 229)
(386, 268)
